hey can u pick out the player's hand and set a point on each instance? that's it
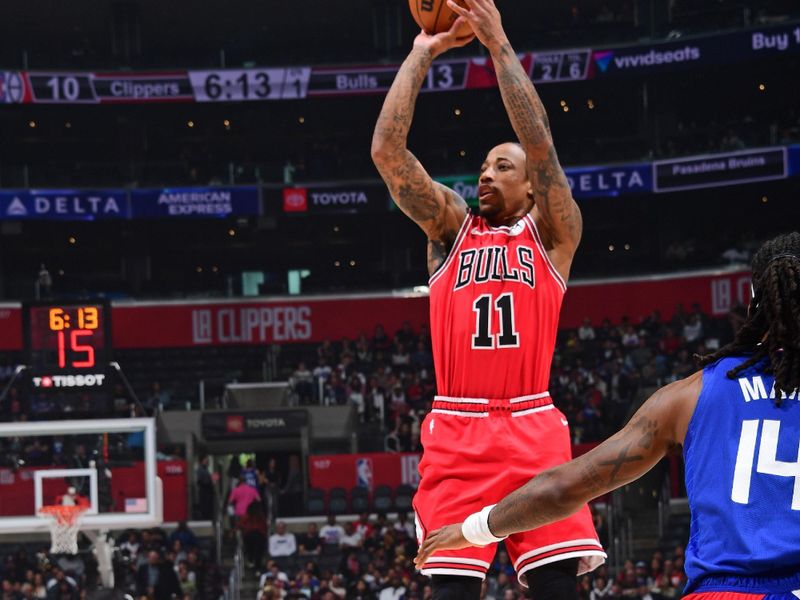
(442, 42)
(446, 538)
(484, 18)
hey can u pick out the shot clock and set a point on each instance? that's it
(68, 345)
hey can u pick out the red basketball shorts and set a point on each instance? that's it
(476, 452)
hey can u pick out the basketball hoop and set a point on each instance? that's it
(64, 522)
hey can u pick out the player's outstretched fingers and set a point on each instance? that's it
(462, 12)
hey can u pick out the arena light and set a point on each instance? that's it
(762, 87)
(199, 269)
(611, 247)
(68, 125)
(231, 232)
(32, 124)
(462, 153)
(627, 246)
(590, 104)
(457, 112)
(72, 240)
(764, 199)
(301, 120)
(337, 263)
(352, 263)
(190, 124)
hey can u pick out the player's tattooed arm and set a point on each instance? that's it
(435, 208)
(556, 213)
(657, 428)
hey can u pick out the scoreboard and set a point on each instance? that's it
(68, 345)
(267, 84)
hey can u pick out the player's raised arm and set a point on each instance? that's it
(438, 210)
(557, 213)
(659, 425)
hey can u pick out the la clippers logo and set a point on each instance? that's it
(295, 200)
(234, 424)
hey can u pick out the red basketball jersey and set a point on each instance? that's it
(494, 312)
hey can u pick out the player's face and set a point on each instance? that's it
(503, 186)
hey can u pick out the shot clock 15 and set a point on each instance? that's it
(64, 341)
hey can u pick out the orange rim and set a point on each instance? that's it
(63, 514)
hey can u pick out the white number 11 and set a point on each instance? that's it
(767, 462)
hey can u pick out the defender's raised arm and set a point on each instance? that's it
(557, 213)
(438, 210)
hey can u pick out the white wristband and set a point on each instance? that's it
(475, 528)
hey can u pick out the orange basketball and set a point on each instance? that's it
(434, 16)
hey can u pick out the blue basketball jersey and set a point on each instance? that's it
(742, 455)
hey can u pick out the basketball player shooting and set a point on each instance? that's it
(738, 421)
(496, 285)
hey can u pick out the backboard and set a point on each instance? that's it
(107, 465)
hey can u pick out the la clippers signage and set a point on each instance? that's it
(64, 205)
(335, 199)
(253, 424)
(187, 324)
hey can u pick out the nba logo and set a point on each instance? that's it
(364, 473)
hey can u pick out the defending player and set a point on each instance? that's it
(738, 421)
(497, 281)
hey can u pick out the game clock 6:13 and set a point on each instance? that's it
(65, 337)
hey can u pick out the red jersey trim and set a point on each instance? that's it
(550, 266)
(462, 233)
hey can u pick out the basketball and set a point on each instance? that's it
(434, 16)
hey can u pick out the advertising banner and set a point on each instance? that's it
(728, 48)
(363, 470)
(195, 203)
(289, 320)
(63, 205)
(371, 470)
(716, 170)
(253, 424)
(355, 198)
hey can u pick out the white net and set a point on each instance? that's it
(64, 523)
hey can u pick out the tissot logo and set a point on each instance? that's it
(295, 200)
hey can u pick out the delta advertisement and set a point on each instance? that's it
(64, 205)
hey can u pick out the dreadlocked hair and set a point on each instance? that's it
(774, 313)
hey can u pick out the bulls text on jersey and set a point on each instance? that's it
(491, 263)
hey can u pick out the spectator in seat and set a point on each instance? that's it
(380, 341)
(156, 579)
(183, 534)
(187, 580)
(310, 542)
(351, 539)
(282, 542)
(586, 332)
(302, 383)
(332, 533)
(406, 336)
(403, 525)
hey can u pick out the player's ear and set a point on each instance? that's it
(529, 193)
